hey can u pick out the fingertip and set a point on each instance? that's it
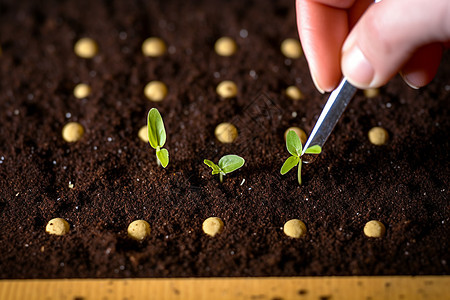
(423, 65)
(357, 68)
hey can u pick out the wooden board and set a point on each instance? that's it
(318, 288)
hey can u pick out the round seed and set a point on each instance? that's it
(291, 48)
(225, 46)
(57, 226)
(374, 229)
(143, 134)
(72, 132)
(212, 226)
(294, 228)
(139, 230)
(300, 132)
(294, 93)
(227, 89)
(371, 93)
(81, 90)
(226, 132)
(86, 48)
(155, 91)
(378, 136)
(153, 47)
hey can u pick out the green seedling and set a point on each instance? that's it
(294, 146)
(157, 136)
(227, 164)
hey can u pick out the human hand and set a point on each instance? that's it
(369, 43)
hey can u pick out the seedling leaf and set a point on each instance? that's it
(156, 131)
(230, 163)
(289, 164)
(163, 156)
(316, 149)
(293, 143)
(215, 168)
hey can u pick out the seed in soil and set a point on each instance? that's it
(72, 132)
(155, 91)
(139, 230)
(212, 226)
(294, 228)
(225, 46)
(226, 132)
(81, 90)
(57, 226)
(371, 93)
(374, 229)
(227, 89)
(86, 48)
(378, 136)
(294, 93)
(153, 47)
(143, 134)
(291, 48)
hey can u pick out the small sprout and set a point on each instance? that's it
(294, 146)
(157, 136)
(227, 164)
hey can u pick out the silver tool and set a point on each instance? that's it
(331, 113)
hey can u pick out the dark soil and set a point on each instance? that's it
(116, 180)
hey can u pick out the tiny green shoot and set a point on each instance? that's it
(227, 164)
(294, 146)
(157, 136)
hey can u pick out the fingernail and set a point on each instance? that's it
(357, 68)
(408, 82)
(316, 84)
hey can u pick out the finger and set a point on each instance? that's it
(383, 40)
(322, 49)
(422, 66)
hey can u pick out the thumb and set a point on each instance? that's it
(388, 35)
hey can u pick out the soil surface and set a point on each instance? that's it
(403, 184)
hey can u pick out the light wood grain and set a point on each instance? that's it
(317, 288)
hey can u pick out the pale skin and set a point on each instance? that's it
(369, 43)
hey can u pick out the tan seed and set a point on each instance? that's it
(225, 46)
(226, 132)
(371, 93)
(143, 134)
(155, 91)
(139, 230)
(378, 136)
(374, 229)
(227, 89)
(294, 228)
(81, 90)
(57, 226)
(72, 132)
(294, 93)
(153, 46)
(300, 132)
(86, 48)
(291, 48)
(212, 226)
